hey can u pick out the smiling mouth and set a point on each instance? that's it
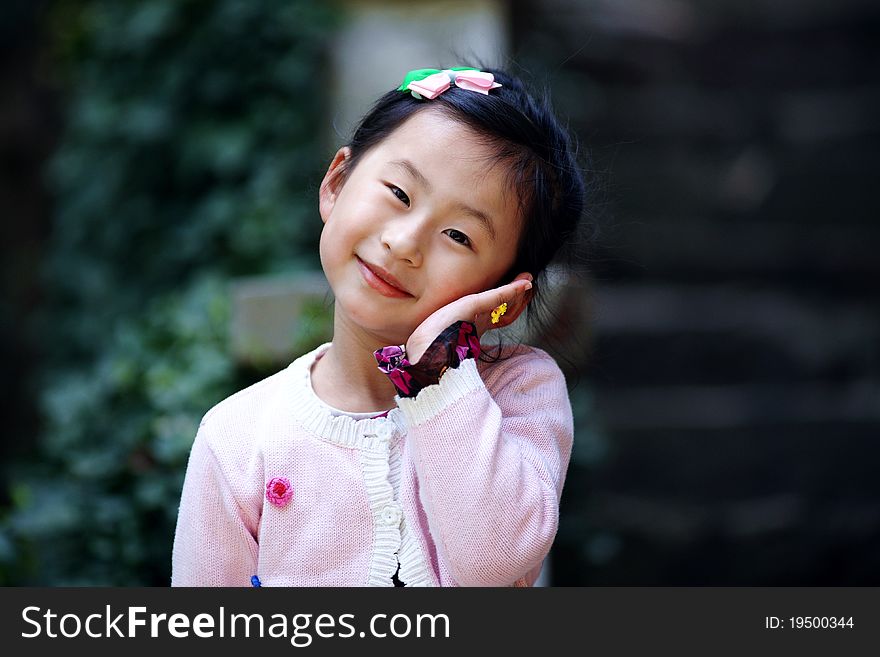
(376, 280)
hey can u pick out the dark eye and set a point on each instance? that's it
(458, 236)
(399, 193)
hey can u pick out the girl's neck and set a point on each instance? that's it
(347, 377)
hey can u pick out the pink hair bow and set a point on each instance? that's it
(476, 81)
(431, 86)
(430, 83)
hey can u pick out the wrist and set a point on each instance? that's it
(456, 343)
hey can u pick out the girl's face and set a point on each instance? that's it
(424, 219)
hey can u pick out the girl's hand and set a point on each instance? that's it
(476, 308)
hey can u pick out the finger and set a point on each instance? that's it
(491, 300)
(506, 292)
(516, 306)
(507, 310)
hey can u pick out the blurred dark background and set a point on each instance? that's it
(728, 410)
(736, 361)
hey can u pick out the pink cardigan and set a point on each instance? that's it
(460, 486)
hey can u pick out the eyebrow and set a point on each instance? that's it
(409, 168)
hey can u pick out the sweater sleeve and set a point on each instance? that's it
(215, 539)
(491, 466)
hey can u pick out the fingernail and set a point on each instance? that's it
(528, 285)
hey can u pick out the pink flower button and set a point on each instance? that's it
(279, 491)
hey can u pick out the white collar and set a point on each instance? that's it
(316, 416)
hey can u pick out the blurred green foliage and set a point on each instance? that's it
(189, 151)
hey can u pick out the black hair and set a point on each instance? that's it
(522, 131)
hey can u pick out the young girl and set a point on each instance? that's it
(395, 455)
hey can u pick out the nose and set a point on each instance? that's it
(403, 241)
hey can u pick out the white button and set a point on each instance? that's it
(391, 514)
(385, 432)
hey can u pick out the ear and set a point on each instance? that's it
(518, 308)
(332, 183)
(522, 303)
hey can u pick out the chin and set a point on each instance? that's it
(377, 323)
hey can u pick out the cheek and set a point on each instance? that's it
(455, 288)
(336, 235)
(465, 277)
(325, 251)
(332, 251)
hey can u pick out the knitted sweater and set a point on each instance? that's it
(459, 486)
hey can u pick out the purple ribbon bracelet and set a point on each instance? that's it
(456, 343)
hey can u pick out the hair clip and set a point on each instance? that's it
(431, 82)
